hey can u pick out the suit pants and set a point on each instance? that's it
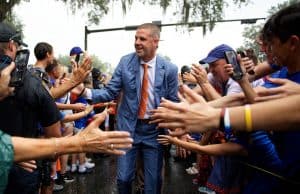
(151, 155)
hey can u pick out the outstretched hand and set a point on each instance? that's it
(81, 71)
(111, 142)
(200, 74)
(165, 139)
(193, 114)
(286, 88)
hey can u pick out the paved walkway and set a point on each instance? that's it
(102, 179)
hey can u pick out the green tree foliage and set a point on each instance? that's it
(250, 33)
(97, 63)
(186, 10)
(7, 16)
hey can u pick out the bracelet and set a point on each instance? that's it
(222, 127)
(227, 126)
(248, 118)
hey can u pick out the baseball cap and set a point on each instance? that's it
(76, 50)
(216, 54)
(8, 33)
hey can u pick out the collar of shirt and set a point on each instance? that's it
(150, 63)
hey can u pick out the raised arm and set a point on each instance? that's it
(80, 72)
(211, 149)
(91, 139)
(202, 79)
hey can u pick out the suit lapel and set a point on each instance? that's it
(159, 74)
(137, 75)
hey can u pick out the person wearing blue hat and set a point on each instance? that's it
(217, 75)
(76, 51)
(216, 54)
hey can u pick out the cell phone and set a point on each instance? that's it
(77, 58)
(243, 55)
(21, 61)
(231, 58)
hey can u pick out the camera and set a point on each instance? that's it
(21, 61)
(231, 58)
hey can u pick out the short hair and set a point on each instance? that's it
(185, 69)
(41, 50)
(155, 30)
(285, 23)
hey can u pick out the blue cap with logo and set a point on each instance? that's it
(216, 54)
(76, 50)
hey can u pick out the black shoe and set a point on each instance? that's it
(59, 180)
(177, 159)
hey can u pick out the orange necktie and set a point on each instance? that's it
(144, 93)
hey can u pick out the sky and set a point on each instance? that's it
(51, 21)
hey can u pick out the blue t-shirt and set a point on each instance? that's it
(261, 150)
(287, 143)
(82, 122)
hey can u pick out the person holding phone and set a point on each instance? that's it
(21, 114)
(75, 53)
(22, 149)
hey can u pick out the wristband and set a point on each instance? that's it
(227, 126)
(222, 127)
(248, 118)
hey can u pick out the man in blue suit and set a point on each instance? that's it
(162, 81)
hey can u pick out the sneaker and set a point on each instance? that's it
(206, 190)
(68, 168)
(67, 178)
(59, 181)
(57, 187)
(89, 165)
(192, 171)
(74, 168)
(88, 159)
(84, 170)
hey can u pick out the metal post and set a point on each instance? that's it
(190, 24)
(85, 37)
